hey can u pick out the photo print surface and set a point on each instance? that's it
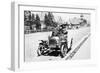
(56, 35)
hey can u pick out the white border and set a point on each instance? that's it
(18, 58)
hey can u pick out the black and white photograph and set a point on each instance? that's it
(56, 35)
(53, 37)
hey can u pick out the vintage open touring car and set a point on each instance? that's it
(56, 45)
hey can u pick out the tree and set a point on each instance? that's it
(33, 17)
(50, 18)
(37, 22)
(27, 17)
(46, 20)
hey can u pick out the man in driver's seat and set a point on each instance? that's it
(61, 30)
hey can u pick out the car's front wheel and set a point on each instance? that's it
(63, 50)
(39, 51)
